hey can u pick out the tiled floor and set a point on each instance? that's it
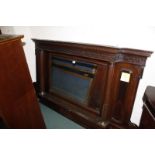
(54, 120)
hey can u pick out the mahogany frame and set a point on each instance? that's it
(117, 97)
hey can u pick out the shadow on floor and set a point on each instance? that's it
(54, 120)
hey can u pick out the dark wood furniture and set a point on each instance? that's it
(19, 107)
(148, 115)
(114, 72)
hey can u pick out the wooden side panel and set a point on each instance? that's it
(18, 103)
(125, 92)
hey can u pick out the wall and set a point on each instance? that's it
(131, 37)
(28, 47)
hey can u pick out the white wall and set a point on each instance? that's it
(28, 47)
(131, 37)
